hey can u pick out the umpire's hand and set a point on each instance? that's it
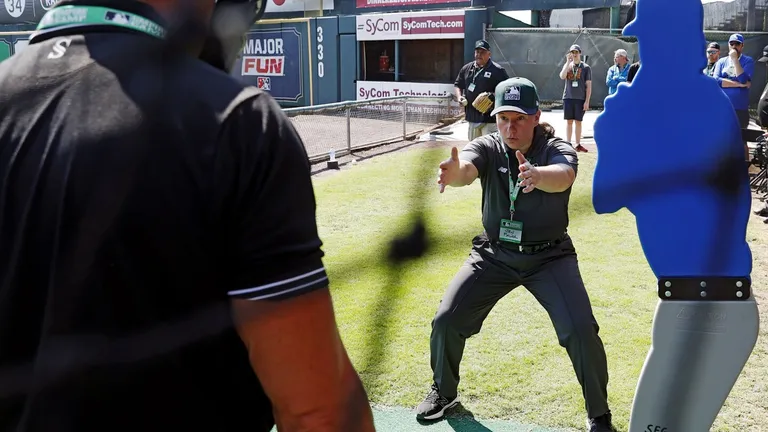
(454, 172)
(449, 170)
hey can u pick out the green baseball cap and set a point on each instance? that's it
(516, 95)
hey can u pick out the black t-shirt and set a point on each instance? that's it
(762, 108)
(632, 71)
(544, 215)
(474, 80)
(134, 205)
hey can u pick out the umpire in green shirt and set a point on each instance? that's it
(526, 176)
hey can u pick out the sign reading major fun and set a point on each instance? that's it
(272, 61)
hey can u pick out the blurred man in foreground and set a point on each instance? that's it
(161, 267)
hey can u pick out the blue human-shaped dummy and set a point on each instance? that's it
(670, 151)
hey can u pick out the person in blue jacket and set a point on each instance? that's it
(618, 72)
(734, 74)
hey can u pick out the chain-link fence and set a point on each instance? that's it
(347, 126)
(545, 50)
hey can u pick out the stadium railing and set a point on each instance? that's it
(344, 127)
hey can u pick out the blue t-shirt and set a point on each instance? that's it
(724, 69)
(615, 76)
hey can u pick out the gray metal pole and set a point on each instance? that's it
(405, 116)
(349, 131)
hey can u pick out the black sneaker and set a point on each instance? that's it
(434, 405)
(601, 424)
(762, 211)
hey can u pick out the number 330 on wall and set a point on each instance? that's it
(320, 66)
(15, 7)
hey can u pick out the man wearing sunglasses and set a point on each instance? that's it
(734, 74)
(713, 55)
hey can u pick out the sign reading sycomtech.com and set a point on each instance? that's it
(439, 24)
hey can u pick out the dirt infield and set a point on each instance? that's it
(322, 133)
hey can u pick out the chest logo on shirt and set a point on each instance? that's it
(59, 48)
(503, 170)
(487, 74)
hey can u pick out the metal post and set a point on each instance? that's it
(405, 116)
(349, 132)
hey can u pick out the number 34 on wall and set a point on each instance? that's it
(320, 65)
(15, 7)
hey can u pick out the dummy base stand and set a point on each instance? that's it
(704, 331)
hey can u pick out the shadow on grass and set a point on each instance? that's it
(460, 419)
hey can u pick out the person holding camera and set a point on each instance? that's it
(578, 89)
(474, 87)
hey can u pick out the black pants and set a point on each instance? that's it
(553, 277)
(743, 116)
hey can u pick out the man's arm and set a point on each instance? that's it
(557, 175)
(717, 74)
(457, 93)
(611, 78)
(744, 74)
(467, 174)
(726, 83)
(588, 84)
(564, 70)
(458, 84)
(295, 349)
(555, 178)
(276, 280)
(504, 75)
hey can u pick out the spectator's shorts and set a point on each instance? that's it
(573, 109)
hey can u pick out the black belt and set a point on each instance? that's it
(530, 249)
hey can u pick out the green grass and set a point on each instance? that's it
(513, 369)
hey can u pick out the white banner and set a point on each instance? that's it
(438, 24)
(379, 89)
(275, 6)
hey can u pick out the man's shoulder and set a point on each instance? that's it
(496, 65)
(489, 141)
(556, 143)
(221, 91)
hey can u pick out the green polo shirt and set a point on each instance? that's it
(544, 215)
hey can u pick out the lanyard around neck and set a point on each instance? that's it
(82, 16)
(514, 188)
(478, 72)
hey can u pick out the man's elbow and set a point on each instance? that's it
(743, 78)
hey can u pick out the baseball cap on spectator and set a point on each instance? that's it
(736, 38)
(575, 47)
(482, 44)
(622, 52)
(516, 95)
(764, 58)
(714, 45)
